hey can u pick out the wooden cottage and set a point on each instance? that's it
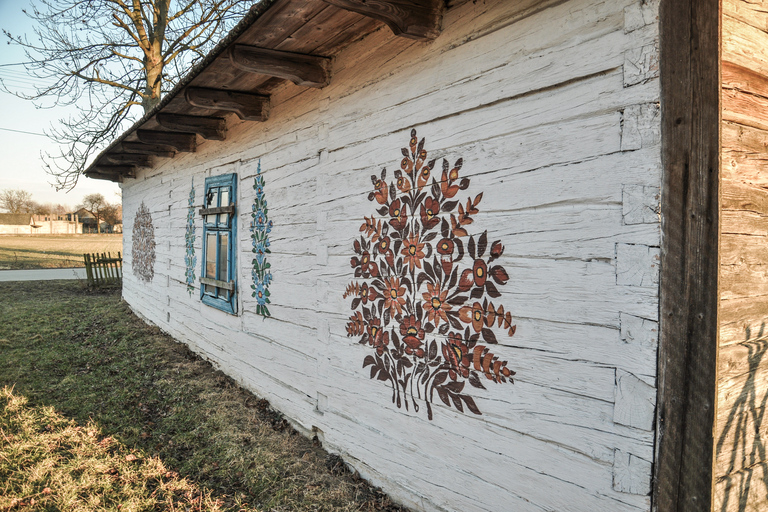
(498, 254)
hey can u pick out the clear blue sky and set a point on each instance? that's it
(20, 164)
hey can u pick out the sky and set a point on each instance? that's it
(20, 164)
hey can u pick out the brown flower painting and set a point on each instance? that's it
(424, 289)
(143, 249)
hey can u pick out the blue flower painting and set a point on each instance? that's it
(261, 227)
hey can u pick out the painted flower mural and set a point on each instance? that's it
(261, 227)
(143, 245)
(423, 298)
(190, 260)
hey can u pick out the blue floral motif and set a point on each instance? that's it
(261, 248)
(190, 260)
(261, 227)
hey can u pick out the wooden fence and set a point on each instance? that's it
(103, 270)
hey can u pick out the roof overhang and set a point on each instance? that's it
(278, 41)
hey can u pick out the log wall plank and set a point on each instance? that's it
(740, 429)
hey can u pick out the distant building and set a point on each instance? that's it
(88, 222)
(29, 224)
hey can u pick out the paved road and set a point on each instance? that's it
(45, 274)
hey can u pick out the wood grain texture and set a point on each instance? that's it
(107, 171)
(690, 82)
(213, 128)
(134, 159)
(741, 481)
(414, 19)
(247, 106)
(179, 141)
(148, 149)
(300, 68)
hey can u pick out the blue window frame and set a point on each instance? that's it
(218, 277)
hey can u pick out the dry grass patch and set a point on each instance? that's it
(53, 251)
(87, 356)
(48, 462)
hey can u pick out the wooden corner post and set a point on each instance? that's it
(688, 337)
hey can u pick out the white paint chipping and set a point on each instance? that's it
(641, 64)
(640, 204)
(639, 331)
(637, 265)
(634, 401)
(641, 126)
(631, 474)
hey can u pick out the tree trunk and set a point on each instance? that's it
(154, 61)
(154, 71)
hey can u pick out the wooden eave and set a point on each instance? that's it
(278, 42)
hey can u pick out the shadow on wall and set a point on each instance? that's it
(742, 433)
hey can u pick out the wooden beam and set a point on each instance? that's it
(184, 142)
(300, 68)
(212, 128)
(247, 106)
(688, 330)
(414, 19)
(136, 159)
(148, 149)
(116, 178)
(112, 172)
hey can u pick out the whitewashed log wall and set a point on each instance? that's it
(741, 434)
(553, 106)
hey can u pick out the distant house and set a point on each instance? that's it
(29, 224)
(88, 222)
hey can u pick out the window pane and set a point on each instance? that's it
(223, 257)
(224, 202)
(212, 201)
(210, 261)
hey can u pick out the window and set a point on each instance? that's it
(218, 284)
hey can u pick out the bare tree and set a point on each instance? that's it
(39, 208)
(112, 214)
(17, 201)
(109, 56)
(96, 205)
(56, 208)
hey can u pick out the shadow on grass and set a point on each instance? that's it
(51, 463)
(85, 354)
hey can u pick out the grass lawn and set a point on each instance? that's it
(53, 251)
(99, 411)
